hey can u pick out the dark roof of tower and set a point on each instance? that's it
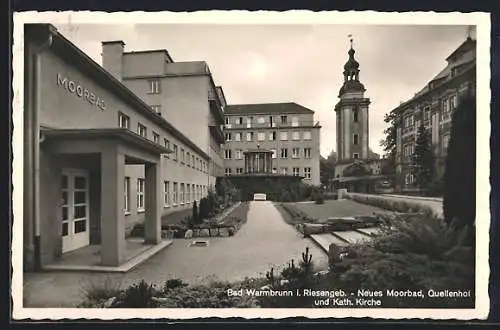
(352, 86)
(351, 62)
(266, 108)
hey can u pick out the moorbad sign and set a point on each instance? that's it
(77, 89)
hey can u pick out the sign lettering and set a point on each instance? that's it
(80, 91)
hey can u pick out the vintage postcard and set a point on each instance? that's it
(251, 164)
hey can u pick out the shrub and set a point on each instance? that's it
(195, 217)
(138, 295)
(173, 284)
(285, 196)
(99, 290)
(460, 169)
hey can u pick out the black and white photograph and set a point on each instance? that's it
(250, 164)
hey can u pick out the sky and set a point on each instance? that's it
(300, 63)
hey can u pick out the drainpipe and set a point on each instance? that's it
(36, 144)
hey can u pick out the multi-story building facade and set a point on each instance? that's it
(97, 158)
(176, 92)
(433, 107)
(287, 130)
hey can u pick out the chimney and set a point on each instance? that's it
(112, 57)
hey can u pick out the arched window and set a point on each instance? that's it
(355, 115)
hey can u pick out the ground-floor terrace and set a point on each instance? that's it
(364, 184)
(80, 203)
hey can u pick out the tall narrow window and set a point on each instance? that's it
(355, 139)
(183, 194)
(156, 138)
(355, 115)
(284, 120)
(167, 145)
(175, 192)
(188, 193)
(166, 192)
(123, 121)
(126, 205)
(140, 194)
(142, 130)
(307, 172)
(156, 108)
(307, 153)
(154, 86)
(183, 156)
(176, 152)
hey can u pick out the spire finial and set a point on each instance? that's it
(350, 39)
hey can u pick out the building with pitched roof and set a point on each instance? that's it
(278, 138)
(433, 107)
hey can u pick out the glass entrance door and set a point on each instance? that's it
(74, 209)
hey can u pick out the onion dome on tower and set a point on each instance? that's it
(351, 75)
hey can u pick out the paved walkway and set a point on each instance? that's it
(264, 241)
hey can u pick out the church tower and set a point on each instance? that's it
(352, 115)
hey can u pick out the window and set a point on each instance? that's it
(355, 139)
(188, 193)
(167, 145)
(283, 136)
(453, 101)
(427, 113)
(166, 193)
(237, 136)
(123, 121)
(446, 105)
(295, 121)
(261, 120)
(409, 178)
(355, 115)
(201, 165)
(307, 135)
(156, 138)
(227, 136)
(307, 172)
(183, 194)
(249, 122)
(296, 171)
(193, 162)
(274, 170)
(227, 171)
(226, 120)
(284, 153)
(154, 86)
(249, 136)
(156, 108)
(296, 136)
(274, 153)
(176, 152)
(307, 153)
(175, 197)
(284, 170)
(261, 136)
(126, 202)
(239, 121)
(239, 170)
(188, 158)
(272, 136)
(227, 154)
(140, 194)
(355, 155)
(271, 123)
(284, 119)
(239, 154)
(142, 130)
(183, 156)
(295, 152)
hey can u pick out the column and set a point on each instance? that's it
(153, 203)
(112, 214)
(346, 134)
(364, 136)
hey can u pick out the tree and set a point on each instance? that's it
(423, 160)
(389, 143)
(459, 196)
(326, 170)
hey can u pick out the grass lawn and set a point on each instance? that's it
(336, 208)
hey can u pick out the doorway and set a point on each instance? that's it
(74, 209)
